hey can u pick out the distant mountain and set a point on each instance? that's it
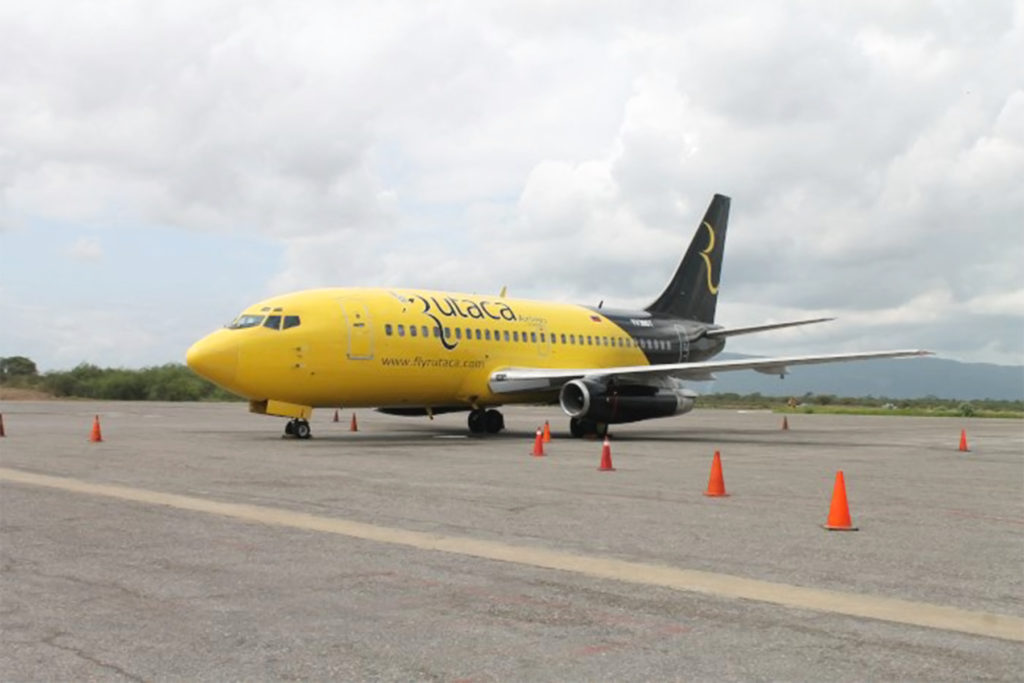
(906, 378)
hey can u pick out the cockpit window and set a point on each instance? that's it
(291, 321)
(273, 322)
(246, 320)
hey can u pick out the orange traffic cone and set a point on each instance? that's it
(354, 426)
(716, 483)
(96, 436)
(335, 414)
(785, 423)
(839, 513)
(606, 457)
(538, 445)
(547, 432)
(963, 441)
(2, 432)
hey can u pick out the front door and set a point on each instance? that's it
(360, 332)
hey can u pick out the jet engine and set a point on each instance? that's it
(614, 404)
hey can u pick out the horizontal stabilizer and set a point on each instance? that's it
(736, 331)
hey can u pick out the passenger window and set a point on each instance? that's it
(426, 331)
(542, 340)
(291, 321)
(412, 330)
(590, 340)
(447, 333)
(437, 333)
(515, 335)
(273, 322)
(479, 336)
(533, 337)
(487, 335)
(388, 329)
(506, 335)
(401, 330)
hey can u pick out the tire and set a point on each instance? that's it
(302, 430)
(476, 421)
(583, 428)
(494, 421)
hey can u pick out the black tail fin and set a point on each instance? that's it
(693, 291)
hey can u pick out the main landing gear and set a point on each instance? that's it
(490, 421)
(298, 428)
(581, 428)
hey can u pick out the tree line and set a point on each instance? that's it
(170, 382)
(809, 402)
(176, 382)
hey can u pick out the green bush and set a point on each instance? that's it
(171, 382)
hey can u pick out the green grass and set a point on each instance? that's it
(904, 412)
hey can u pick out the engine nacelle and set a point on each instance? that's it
(588, 400)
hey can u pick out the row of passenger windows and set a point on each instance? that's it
(473, 333)
(274, 322)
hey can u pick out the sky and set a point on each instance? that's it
(165, 164)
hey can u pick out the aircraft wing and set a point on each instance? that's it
(513, 380)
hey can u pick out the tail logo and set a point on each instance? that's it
(706, 255)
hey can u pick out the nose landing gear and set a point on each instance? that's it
(298, 428)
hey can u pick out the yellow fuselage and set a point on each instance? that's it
(362, 347)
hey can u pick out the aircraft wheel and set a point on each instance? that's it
(477, 421)
(582, 428)
(301, 429)
(289, 428)
(494, 421)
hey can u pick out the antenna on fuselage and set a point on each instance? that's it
(504, 291)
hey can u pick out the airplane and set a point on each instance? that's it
(413, 352)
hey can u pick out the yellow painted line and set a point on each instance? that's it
(708, 583)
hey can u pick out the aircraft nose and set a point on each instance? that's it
(214, 358)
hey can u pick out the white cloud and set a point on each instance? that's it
(562, 148)
(86, 249)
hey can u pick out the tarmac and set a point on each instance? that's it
(194, 543)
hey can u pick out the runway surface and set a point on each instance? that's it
(194, 543)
